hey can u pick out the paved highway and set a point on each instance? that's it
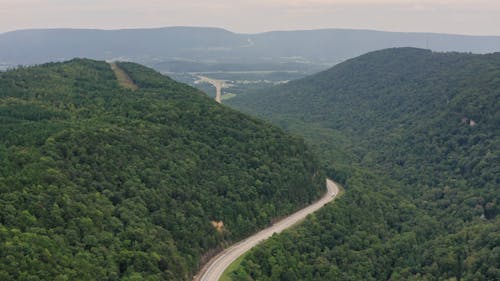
(213, 270)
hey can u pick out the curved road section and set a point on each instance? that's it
(213, 270)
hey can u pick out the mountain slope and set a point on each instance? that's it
(421, 129)
(98, 182)
(390, 97)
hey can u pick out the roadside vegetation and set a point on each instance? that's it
(101, 182)
(414, 137)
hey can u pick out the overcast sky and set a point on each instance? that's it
(478, 17)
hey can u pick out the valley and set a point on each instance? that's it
(197, 153)
(421, 199)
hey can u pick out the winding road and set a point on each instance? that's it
(213, 270)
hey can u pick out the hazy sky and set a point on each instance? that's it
(480, 17)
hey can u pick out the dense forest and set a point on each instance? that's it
(99, 182)
(414, 137)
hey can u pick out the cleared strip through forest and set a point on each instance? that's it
(123, 79)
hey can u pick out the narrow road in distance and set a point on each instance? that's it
(218, 84)
(213, 270)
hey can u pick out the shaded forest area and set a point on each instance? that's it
(98, 182)
(414, 137)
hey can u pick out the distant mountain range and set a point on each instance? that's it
(214, 45)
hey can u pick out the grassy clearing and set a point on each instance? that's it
(122, 77)
(228, 96)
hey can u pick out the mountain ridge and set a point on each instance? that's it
(413, 134)
(100, 182)
(156, 45)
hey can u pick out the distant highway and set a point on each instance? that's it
(213, 270)
(218, 84)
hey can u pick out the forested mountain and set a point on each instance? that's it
(100, 182)
(414, 136)
(194, 45)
